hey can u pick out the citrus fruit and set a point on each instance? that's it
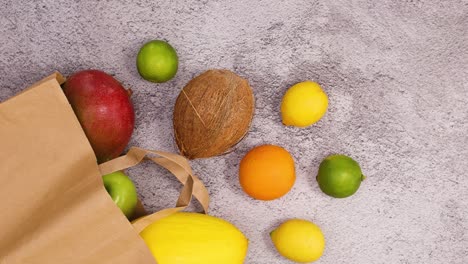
(339, 176)
(299, 240)
(303, 104)
(157, 61)
(267, 172)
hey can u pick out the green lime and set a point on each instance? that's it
(339, 176)
(157, 61)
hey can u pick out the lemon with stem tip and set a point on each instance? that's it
(299, 240)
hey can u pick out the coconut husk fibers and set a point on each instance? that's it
(212, 113)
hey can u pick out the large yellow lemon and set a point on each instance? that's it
(192, 238)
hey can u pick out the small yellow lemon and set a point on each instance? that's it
(299, 240)
(303, 104)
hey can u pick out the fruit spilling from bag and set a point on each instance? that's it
(212, 113)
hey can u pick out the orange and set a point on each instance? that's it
(267, 172)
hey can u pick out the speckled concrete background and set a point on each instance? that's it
(397, 77)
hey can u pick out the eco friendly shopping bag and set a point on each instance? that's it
(53, 205)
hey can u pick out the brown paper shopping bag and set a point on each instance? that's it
(53, 206)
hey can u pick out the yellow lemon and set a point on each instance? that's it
(303, 104)
(193, 238)
(299, 240)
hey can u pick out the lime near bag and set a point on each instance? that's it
(53, 205)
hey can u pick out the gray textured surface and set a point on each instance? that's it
(395, 71)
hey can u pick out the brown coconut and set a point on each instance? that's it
(212, 113)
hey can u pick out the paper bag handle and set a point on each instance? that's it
(177, 165)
